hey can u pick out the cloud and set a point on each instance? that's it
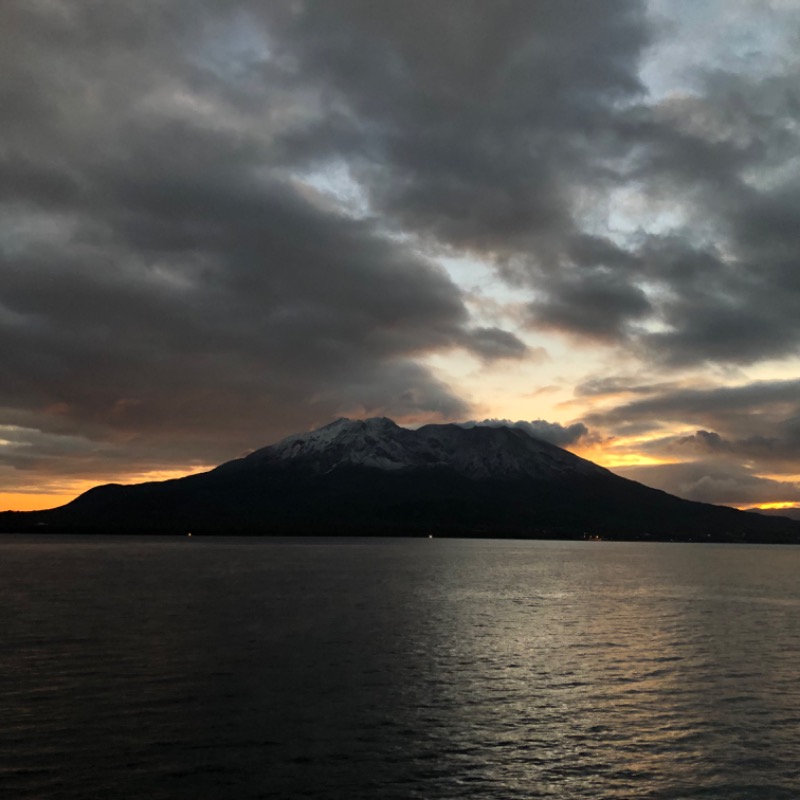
(599, 306)
(755, 406)
(167, 277)
(462, 122)
(703, 273)
(744, 437)
(512, 152)
(712, 482)
(776, 452)
(220, 221)
(495, 343)
(268, 299)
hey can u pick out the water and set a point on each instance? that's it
(219, 668)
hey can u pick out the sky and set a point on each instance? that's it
(225, 222)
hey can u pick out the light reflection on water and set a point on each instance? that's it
(214, 668)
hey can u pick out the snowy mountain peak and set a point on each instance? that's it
(343, 423)
(379, 443)
(370, 443)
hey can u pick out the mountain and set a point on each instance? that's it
(791, 513)
(379, 443)
(373, 477)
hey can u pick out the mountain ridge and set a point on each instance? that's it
(378, 442)
(374, 477)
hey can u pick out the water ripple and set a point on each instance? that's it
(398, 669)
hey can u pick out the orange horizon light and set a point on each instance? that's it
(41, 499)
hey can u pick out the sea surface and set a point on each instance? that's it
(358, 668)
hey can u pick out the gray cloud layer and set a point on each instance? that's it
(163, 274)
(758, 418)
(172, 281)
(738, 433)
(492, 132)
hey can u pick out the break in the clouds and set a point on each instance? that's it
(749, 457)
(760, 418)
(220, 223)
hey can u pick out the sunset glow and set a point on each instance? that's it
(65, 491)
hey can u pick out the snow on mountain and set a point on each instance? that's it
(553, 432)
(379, 443)
(484, 452)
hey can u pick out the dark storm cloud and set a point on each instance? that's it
(468, 124)
(727, 275)
(164, 274)
(722, 312)
(762, 399)
(598, 306)
(265, 302)
(174, 271)
(494, 343)
(592, 294)
(496, 133)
